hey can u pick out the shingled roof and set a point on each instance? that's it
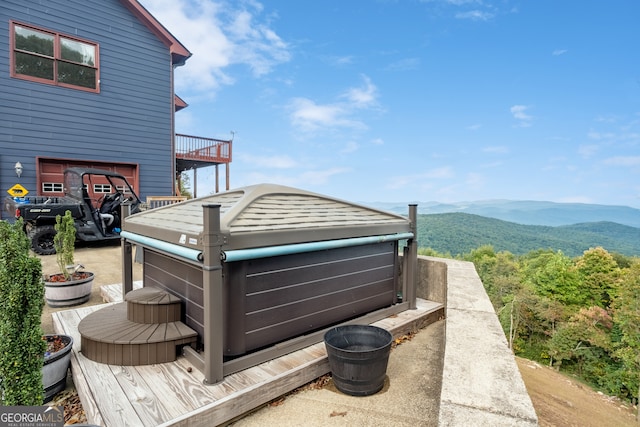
(264, 215)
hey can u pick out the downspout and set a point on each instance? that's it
(173, 131)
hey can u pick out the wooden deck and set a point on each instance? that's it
(173, 394)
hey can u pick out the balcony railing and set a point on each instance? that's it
(201, 149)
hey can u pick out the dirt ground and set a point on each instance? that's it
(559, 400)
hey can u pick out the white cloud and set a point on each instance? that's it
(321, 176)
(500, 149)
(219, 34)
(475, 15)
(623, 161)
(362, 97)
(475, 180)
(305, 179)
(462, 2)
(402, 181)
(587, 151)
(607, 118)
(443, 172)
(598, 136)
(404, 64)
(559, 52)
(474, 127)
(377, 141)
(341, 60)
(308, 116)
(519, 113)
(491, 165)
(350, 147)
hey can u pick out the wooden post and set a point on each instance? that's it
(195, 182)
(227, 177)
(217, 179)
(213, 296)
(411, 260)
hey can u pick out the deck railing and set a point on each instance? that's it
(159, 201)
(203, 149)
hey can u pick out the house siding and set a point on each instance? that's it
(129, 120)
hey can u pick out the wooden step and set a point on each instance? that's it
(152, 305)
(108, 336)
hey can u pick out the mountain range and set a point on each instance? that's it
(459, 233)
(527, 212)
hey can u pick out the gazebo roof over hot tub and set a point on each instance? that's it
(265, 215)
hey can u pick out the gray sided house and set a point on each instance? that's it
(86, 83)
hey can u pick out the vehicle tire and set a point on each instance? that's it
(42, 239)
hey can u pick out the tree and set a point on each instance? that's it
(517, 317)
(585, 341)
(598, 273)
(432, 252)
(626, 306)
(184, 185)
(553, 276)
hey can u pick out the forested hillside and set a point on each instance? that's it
(459, 233)
(578, 314)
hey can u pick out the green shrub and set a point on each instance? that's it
(21, 301)
(64, 242)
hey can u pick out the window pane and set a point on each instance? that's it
(101, 188)
(35, 66)
(81, 53)
(52, 187)
(76, 75)
(33, 41)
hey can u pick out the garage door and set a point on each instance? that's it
(51, 176)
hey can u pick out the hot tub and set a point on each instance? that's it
(290, 261)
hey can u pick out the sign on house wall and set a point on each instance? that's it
(18, 191)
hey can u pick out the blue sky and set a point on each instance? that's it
(417, 100)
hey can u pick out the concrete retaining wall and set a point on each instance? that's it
(481, 383)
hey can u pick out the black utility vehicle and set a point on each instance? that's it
(96, 218)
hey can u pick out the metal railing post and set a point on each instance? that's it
(412, 259)
(127, 264)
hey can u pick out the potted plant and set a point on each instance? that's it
(21, 302)
(72, 286)
(57, 357)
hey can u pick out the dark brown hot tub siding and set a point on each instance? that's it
(273, 299)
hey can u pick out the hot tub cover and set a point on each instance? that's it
(266, 215)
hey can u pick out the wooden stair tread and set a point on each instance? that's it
(110, 325)
(142, 330)
(151, 296)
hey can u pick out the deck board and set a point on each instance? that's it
(138, 386)
(168, 394)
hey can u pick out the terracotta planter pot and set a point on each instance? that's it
(60, 293)
(54, 370)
